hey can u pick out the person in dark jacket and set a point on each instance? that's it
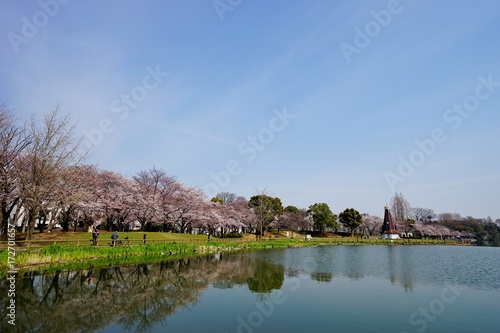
(95, 235)
(114, 237)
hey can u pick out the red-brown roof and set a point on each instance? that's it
(388, 227)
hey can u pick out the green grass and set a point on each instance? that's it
(85, 238)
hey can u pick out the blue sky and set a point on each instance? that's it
(342, 102)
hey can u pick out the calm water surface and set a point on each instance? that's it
(320, 289)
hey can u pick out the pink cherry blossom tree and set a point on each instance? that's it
(372, 223)
(154, 194)
(76, 192)
(115, 197)
(186, 203)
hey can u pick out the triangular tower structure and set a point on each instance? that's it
(389, 230)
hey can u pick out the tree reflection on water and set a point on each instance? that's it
(137, 297)
(266, 277)
(141, 296)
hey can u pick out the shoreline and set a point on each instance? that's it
(57, 257)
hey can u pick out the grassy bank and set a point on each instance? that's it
(56, 251)
(54, 257)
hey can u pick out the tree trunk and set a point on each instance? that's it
(65, 221)
(52, 221)
(6, 211)
(5, 222)
(24, 222)
(33, 214)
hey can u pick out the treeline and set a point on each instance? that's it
(44, 182)
(423, 222)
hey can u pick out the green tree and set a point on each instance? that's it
(266, 277)
(266, 209)
(351, 219)
(493, 232)
(322, 217)
(217, 200)
(291, 209)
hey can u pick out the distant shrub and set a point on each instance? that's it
(232, 235)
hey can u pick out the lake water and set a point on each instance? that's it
(314, 289)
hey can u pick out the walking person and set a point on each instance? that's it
(114, 237)
(95, 235)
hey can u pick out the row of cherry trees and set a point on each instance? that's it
(149, 200)
(43, 182)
